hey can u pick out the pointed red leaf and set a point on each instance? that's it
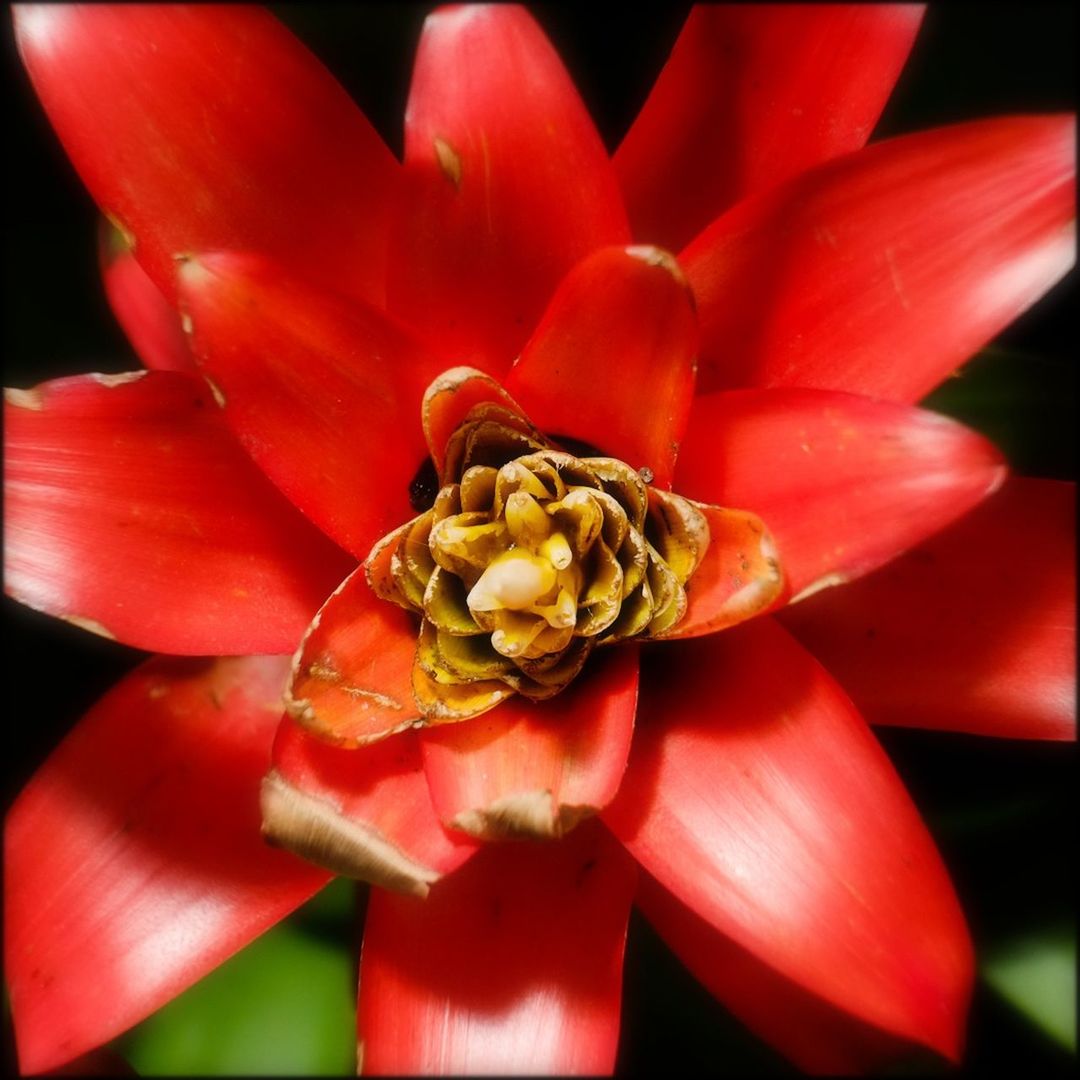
(323, 392)
(612, 361)
(364, 813)
(352, 677)
(507, 184)
(974, 630)
(211, 126)
(131, 511)
(843, 483)
(815, 1036)
(149, 320)
(882, 272)
(764, 803)
(512, 965)
(133, 861)
(536, 768)
(752, 95)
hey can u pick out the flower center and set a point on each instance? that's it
(529, 559)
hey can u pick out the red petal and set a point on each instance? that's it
(535, 769)
(352, 678)
(130, 511)
(323, 392)
(759, 797)
(212, 126)
(753, 95)
(738, 578)
(974, 630)
(449, 400)
(508, 184)
(883, 271)
(133, 859)
(375, 817)
(817, 1037)
(612, 361)
(513, 965)
(843, 483)
(149, 320)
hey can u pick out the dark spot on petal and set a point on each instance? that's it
(584, 872)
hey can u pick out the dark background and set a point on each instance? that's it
(1000, 811)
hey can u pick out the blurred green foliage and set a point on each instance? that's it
(1025, 405)
(284, 1006)
(1037, 974)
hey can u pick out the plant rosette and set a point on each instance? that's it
(511, 520)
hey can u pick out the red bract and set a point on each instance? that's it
(211, 505)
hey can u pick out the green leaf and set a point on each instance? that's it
(285, 1005)
(1037, 975)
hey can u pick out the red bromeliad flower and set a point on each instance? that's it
(343, 316)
